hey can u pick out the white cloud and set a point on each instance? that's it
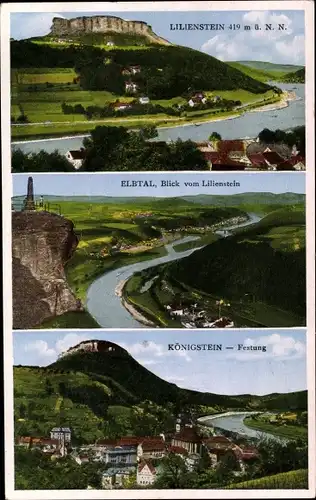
(27, 25)
(41, 349)
(175, 379)
(149, 362)
(278, 347)
(70, 340)
(277, 46)
(153, 349)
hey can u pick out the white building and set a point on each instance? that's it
(144, 100)
(110, 44)
(131, 87)
(63, 434)
(76, 158)
(146, 474)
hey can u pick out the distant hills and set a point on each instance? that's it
(265, 72)
(202, 199)
(295, 77)
(263, 65)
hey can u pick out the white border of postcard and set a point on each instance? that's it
(6, 9)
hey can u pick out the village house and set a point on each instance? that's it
(113, 477)
(124, 454)
(217, 447)
(257, 160)
(81, 459)
(62, 434)
(121, 106)
(272, 158)
(297, 162)
(144, 100)
(135, 69)
(198, 98)
(110, 44)
(131, 87)
(216, 98)
(131, 70)
(155, 448)
(146, 474)
(76, 158)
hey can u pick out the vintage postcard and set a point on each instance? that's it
(192, 90)
(159, 250)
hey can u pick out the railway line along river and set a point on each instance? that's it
(103, 299)
(247, 125)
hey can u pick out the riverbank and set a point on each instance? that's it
(136, 314)
(26, 132)
(282, 431)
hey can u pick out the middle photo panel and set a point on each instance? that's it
(200, 250)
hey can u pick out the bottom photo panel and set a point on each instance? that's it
(157, 409)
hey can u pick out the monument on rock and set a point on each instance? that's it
(29, 203)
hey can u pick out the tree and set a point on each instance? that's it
(226, 468)
(173, 473)
(148, 132)
(48, 387)
(215, 137)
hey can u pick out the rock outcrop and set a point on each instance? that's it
(42, 243)
(93, 346)
(102, 24)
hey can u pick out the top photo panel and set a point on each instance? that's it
(158, 91)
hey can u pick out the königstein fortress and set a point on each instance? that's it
(103, 25)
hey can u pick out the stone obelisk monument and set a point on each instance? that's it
(29, 203)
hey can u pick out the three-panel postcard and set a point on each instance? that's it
(158, 250)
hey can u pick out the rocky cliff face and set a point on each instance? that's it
(102, 24)
(42, 243)
(93, 346)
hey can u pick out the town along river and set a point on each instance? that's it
(233, 422)
(106, 306)
(244, 126)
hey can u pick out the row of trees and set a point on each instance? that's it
(117, 149)
(290, 138)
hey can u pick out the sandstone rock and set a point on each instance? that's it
(42, 243)
(102, 24)
(93, 346)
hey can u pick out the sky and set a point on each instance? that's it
(283, 47)
(282, 368)
(110, 184)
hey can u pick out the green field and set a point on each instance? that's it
(286, 431)
(40, 92)
(293, 480)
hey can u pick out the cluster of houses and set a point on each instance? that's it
(223, 155)
(200, 98)
(139, 458)
(250, 155)
(194, 316)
